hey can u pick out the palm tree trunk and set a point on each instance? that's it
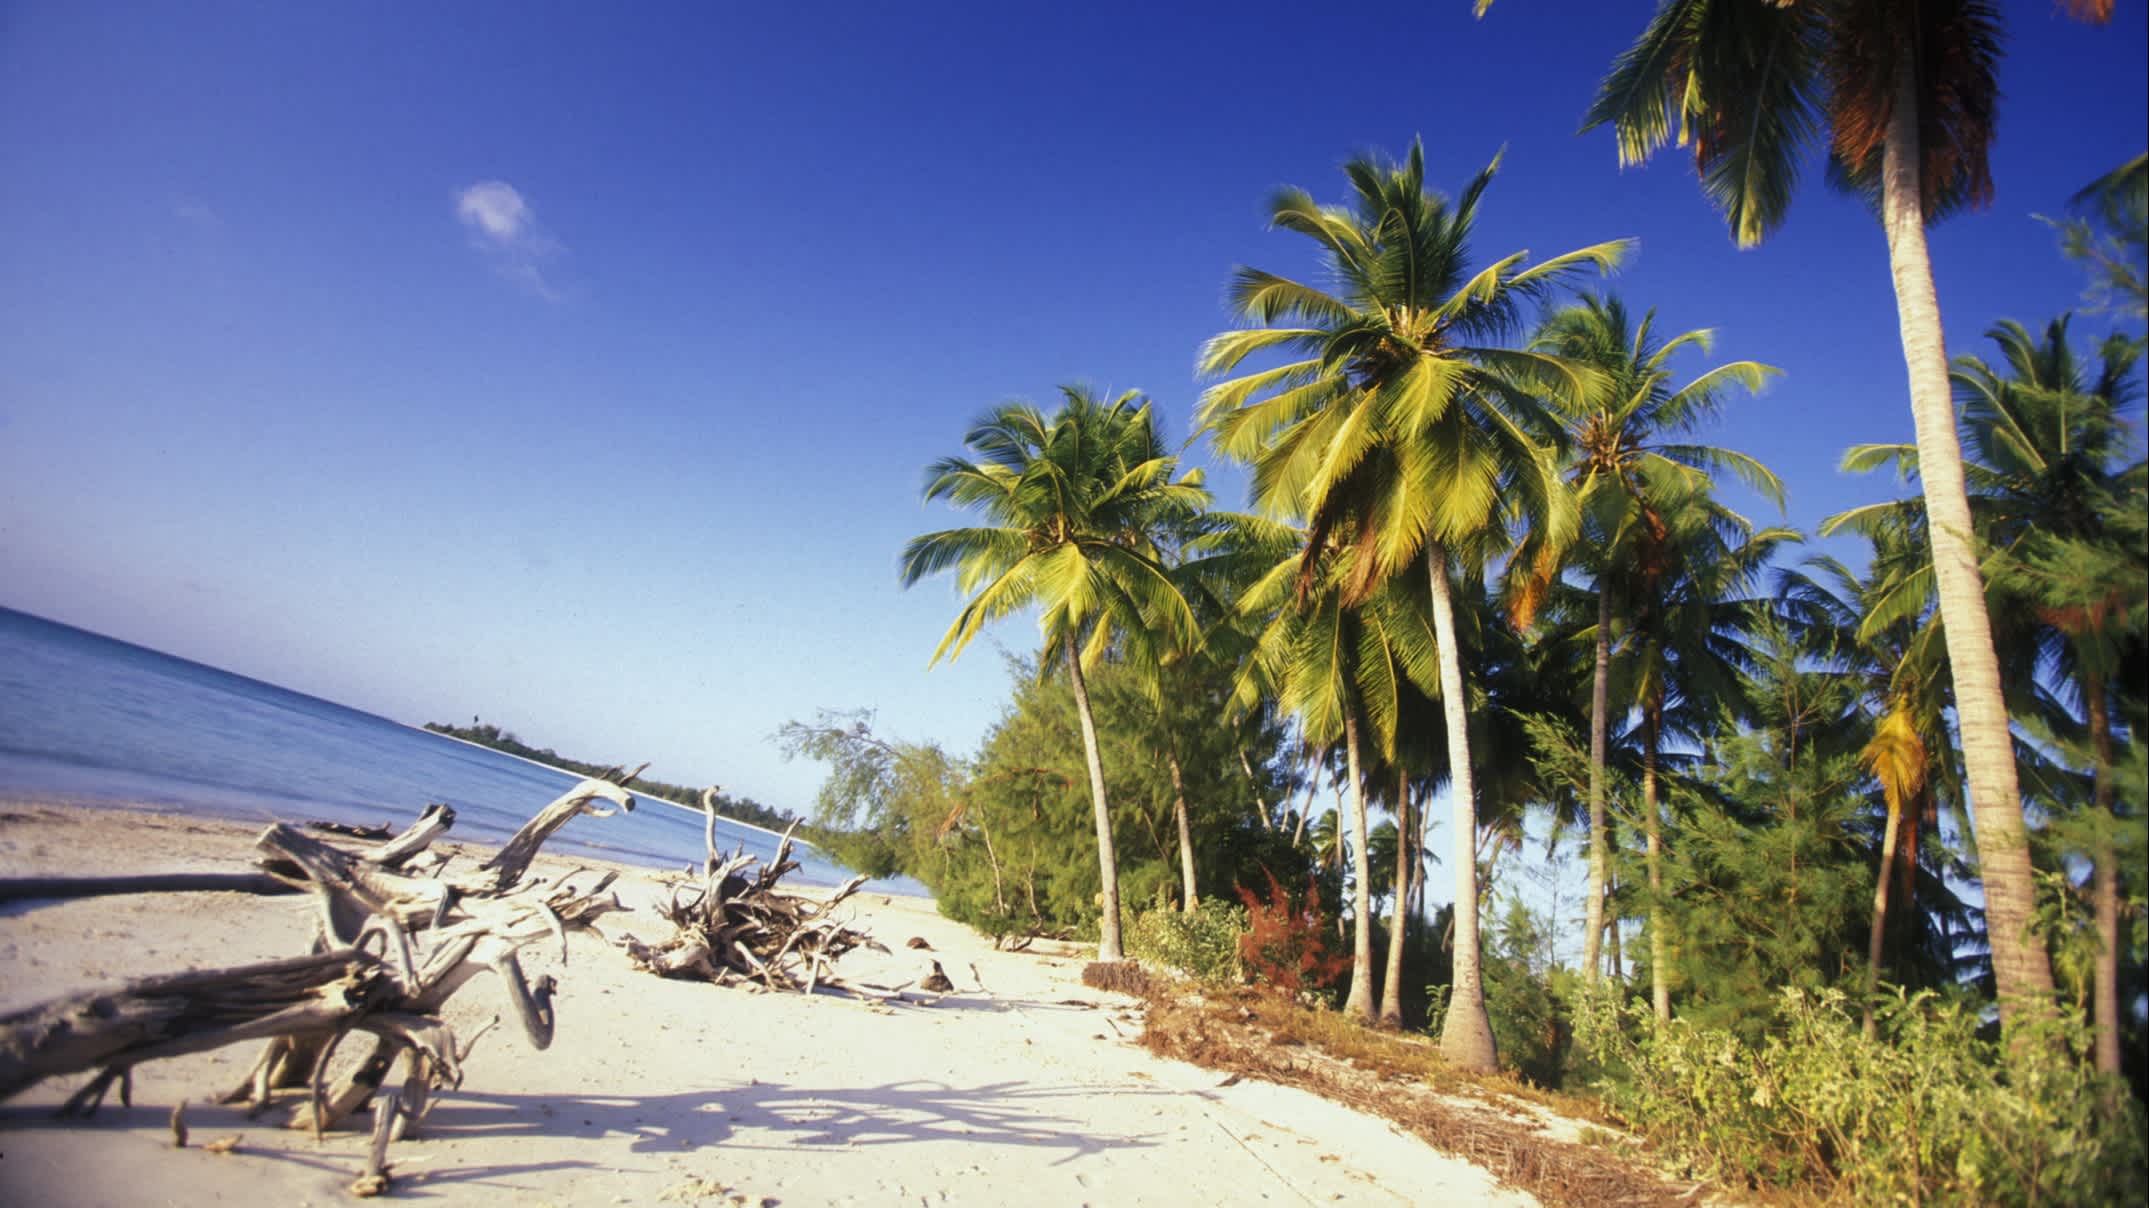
(1599, 740)
(1305, 808)
(2104, 882)
(1417, 866)
(1186, 835)
(1108, 948)
(1653, 824)
(1360, 1002)
(1619, 964)
(1391, 994)
(1466, 1039)
(1880, 909)
(1261, 808)
(2019, 962)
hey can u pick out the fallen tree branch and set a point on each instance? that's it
(513, 859)
(24, 889)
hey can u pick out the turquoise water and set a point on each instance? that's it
(89, 719)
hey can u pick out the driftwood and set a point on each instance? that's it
(351, 830)
(390, 950)
(494, 902)
(733, 925)
(395, 853)
(13, 889)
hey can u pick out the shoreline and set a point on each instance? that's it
(536, 763)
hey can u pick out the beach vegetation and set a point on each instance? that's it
(1848, 815)
(1201, 944)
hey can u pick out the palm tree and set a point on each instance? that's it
(1396, 433)
(2050, 435)
(1077, 503)
(1692, 571)
(1906, 93)
(1345, 672)
(1618, 434)
(1859, 625)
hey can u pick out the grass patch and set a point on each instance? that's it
(1404, 1080)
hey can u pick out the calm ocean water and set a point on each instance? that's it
(89, 719)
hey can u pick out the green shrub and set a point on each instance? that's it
(1927, 1110)
(1202, 943)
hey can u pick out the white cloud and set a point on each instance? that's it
(504, 226)
(495, 210)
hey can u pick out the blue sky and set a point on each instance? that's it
(577, 365)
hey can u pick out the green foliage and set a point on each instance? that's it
(2108, 235)
(882, 809)
(1772, 886)
(1006, 841)
(1202, 943)
(1529, 1020)
(1526, 997)
(1929, 1109)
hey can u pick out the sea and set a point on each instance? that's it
(90, 720)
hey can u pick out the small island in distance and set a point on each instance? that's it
(739, 809)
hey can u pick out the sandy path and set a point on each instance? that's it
(1023, 1087)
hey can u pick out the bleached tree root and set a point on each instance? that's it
(733, 925)
(390, 950)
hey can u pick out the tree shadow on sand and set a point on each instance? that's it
(776, 1117)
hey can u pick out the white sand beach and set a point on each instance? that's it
(1022, 1086)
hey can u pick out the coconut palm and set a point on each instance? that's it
(1691, 612)
(1398, 432)
(1902, 669)
(1906, 94)
(1345, 673)
(1077, 504)
(1621, 436)
(2050, 434)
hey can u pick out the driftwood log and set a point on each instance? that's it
(731, 924)
(390, 949)
(395, 853)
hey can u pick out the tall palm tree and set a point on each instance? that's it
(1396, 431)
(1906, 92)
(1077, 504)
(1620, 435)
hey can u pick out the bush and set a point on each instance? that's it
(1122, 977)
(1284, 945)
(1929, 1109)
(1202, 944)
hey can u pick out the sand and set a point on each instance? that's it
(1021, 1087)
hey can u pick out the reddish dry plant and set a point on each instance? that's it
(1283, 946)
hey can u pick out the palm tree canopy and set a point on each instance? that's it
(1078, 504)
(1312, 654)
(2050, 429)
(1752, 86)
(1623, 427)
(1398, 386)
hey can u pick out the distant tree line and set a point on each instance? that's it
(743, 809)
